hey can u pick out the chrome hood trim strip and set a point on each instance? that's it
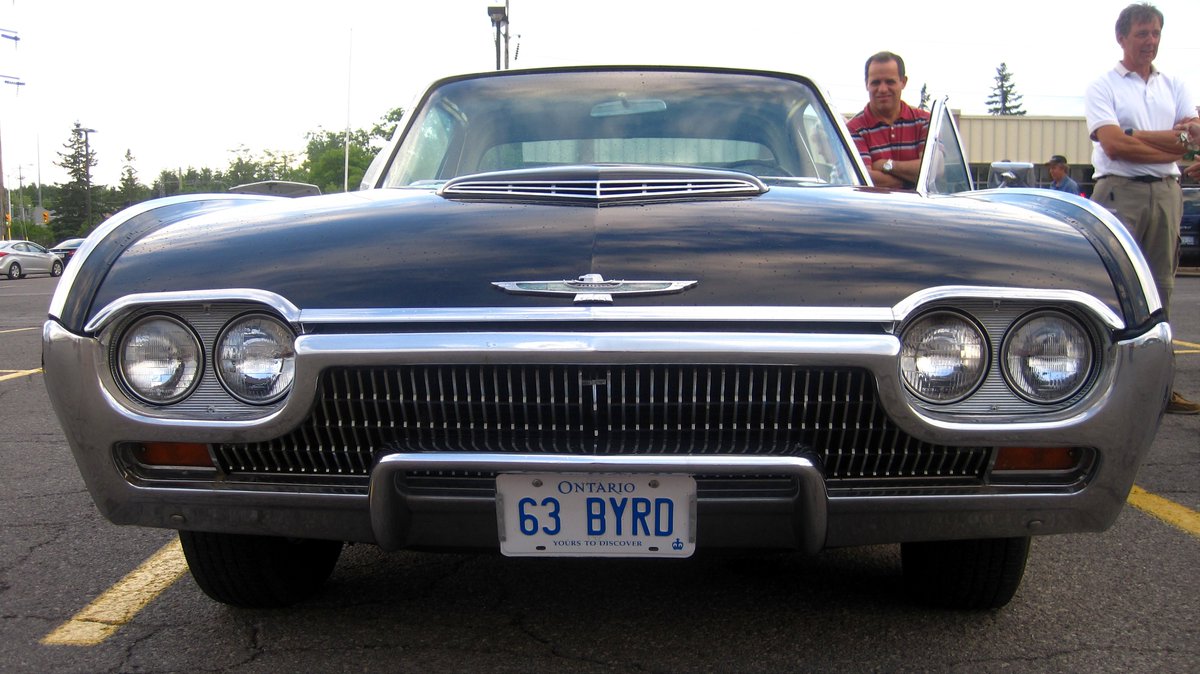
(286, 309)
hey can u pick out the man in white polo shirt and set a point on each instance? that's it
(1131, 113)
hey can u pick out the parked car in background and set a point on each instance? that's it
(613, 312)
(66, 249)
(1189, 228)
(18, 259)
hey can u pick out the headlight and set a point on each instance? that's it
(160, 359)
(943, 357)
(256, 359)
(1047, 357)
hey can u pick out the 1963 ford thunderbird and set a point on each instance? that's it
(613, 311)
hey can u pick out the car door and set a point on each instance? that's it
(34, 258)
(944, 168)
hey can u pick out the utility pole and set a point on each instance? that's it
(5, 199)
(87, 168)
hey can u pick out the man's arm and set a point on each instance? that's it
(904, 173)
(1143, 147)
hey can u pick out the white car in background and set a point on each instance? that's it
(21, 258)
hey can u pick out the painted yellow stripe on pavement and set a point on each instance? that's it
(121, 602)
(1166, 510)
(5, 332)
(5, 375)
(1190, 345)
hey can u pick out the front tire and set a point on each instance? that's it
(972, 574)
(258, 571)
(56, 268)
(14, 271)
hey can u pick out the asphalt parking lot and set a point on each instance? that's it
(1124, 600)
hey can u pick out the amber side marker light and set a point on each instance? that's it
(1037, 458)
(174, 454)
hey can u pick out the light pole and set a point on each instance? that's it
(5, 228)
(87, 168)
(499, 16)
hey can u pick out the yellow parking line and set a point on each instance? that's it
(5, 375)
(1166, 510)
(121, 602)
(1191, 345)
(5, 332)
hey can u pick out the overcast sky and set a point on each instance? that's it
(186, 84)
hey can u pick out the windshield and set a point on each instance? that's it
(773, 127)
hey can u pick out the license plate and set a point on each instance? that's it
(596, 515)
(1189, 240)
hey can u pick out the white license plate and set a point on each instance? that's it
(596, 515)
(1189, 240)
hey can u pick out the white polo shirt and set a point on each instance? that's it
(1122, 98)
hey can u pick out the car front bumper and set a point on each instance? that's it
(807, 516)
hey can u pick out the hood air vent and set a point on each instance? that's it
(603, 185)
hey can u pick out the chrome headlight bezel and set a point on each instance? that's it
(185, 345)
(954, 377)
(1022, 377)
(275, 342)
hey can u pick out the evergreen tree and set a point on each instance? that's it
(131, 191)
(1004, 99)
(70, 215)
(924, 104)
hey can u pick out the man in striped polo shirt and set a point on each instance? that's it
(890, 134)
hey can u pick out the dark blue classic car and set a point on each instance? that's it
(636, 312)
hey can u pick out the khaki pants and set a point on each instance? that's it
(1151, 212)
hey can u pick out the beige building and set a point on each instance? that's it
(989, 138)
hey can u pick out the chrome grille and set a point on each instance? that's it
(361, 413)
(602, 190)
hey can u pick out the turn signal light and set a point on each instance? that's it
(1037, 458)
(174, 454)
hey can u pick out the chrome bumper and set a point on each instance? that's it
(392, 517)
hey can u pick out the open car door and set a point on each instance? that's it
(944, 168)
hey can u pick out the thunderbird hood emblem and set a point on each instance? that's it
(593, 287)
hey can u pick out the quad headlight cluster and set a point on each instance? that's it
(161, 359)
(1045, 357)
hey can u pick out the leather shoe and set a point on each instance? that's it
(1180, 405)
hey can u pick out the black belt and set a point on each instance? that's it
(1144, 179)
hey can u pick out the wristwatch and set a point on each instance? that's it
(888, 166)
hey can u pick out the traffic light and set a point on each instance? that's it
(8, 218)
(46, 217)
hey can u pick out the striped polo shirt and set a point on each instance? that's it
(878, 141)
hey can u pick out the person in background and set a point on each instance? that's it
(1059, 178)
(889, 133)
(1131, 112)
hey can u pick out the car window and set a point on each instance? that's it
(675, 151)
(1191, 202)
(773, 127)
(944, 168)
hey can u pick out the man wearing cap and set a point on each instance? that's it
(1131, 111)
(1059, 180)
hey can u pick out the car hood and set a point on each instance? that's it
(792, 246)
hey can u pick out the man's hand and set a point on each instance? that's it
(1192, 127)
